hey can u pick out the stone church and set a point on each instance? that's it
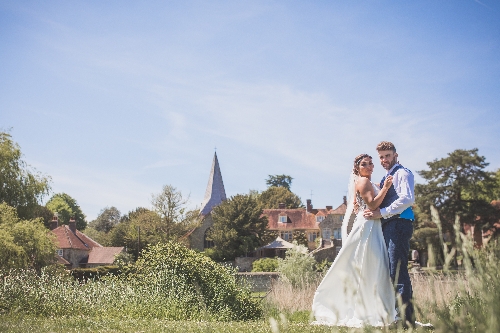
(214, 195)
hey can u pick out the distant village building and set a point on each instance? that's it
(322, 227)
(75, 249)
(324, 224)
(214, 195)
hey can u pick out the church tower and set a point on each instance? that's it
(215, 193)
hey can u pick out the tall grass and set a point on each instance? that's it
(174, 284)
(465, 300)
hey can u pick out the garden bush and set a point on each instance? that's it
(265, 265)
(298, 268)
(167, 282)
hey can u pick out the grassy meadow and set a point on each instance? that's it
(180, 291)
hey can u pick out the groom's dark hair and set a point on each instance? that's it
(386, 145)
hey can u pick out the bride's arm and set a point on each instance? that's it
(365, 189)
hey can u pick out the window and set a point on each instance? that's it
(327, 233)
(341, 218)
(60, 252)
(313, 235)
(320, 218)
(286, 235)
(207, 241)
(337, 233)
(282, 219)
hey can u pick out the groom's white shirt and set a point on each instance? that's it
(404, 185)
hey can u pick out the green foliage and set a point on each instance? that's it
(142, 220)
(176, 219)
(94, 273)
(168, 282)
(273, 196)
(279, 181)
(238, 226)
(298, 268)
(106, 220)
(323, 266)
(475, 303)
(458, 185)
(21, 186)
(66, 207)
(24, 243)
(265, 265)
(300, 237)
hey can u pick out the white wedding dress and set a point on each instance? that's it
(357, 289)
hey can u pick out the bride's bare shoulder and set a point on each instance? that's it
(362, 182)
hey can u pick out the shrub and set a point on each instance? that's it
(298, 267)
(168, 282)
(214, 285)
(265, 265)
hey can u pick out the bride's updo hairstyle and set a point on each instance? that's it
(358, 160)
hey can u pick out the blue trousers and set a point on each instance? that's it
(397, 234)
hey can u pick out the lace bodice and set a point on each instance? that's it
(360, 202)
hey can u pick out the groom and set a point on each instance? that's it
(397, 223)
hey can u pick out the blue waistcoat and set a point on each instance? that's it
(392, 196)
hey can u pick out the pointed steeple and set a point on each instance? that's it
(215, 193)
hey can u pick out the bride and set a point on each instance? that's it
(357, 289)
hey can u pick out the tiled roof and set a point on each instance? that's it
(61, 260)
(297, 219)
(66, 239)
(278, 243)
(103, 255)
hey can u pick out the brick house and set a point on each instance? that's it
(324, 223)
(75, 249)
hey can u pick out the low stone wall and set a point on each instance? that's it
(328, 253)
(258, 281)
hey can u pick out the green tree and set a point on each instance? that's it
(21, 186)
(66, 207)
(265, 265)
(170, 205)
(106, 220)
(458, 185)
(279, 181)
(24, 243)
(238, 226)
(300, 237)
(273, 196)
(138, 229)
(298, 268)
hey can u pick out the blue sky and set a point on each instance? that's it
(114, 99)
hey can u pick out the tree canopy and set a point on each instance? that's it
(279, 181)
(273, 196)
(106, 220)
(458, 184)
(24, 243)
(66, 207)
(238, 226)
(170, 205)
(21, 186)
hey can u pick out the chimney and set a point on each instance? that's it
(281, 205)
(309, 205)
(72, 224)
(329, 207)
(345, 200)
(54, 223)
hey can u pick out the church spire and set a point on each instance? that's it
(215, 193)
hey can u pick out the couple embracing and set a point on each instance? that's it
(360, 287)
